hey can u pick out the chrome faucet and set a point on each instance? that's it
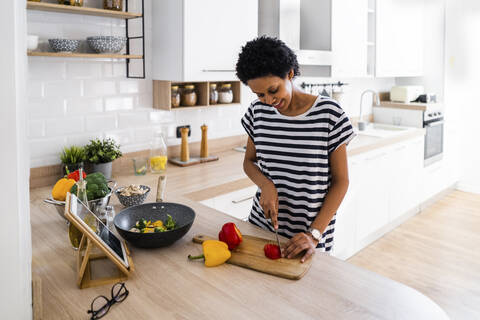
(362, 124)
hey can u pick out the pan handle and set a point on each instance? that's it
(55, 202)
(113, 183)
(162, 181)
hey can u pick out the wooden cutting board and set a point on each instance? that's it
(249, 254)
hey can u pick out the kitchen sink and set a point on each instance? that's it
(381, 130)
(363, 140)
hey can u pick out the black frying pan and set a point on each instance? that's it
(181, 214)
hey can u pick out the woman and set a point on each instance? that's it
(296, 150)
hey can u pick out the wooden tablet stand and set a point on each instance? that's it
(92, 249)
(88, 252)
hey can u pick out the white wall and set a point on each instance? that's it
(15, 240)
(462, 80)
(73, 100)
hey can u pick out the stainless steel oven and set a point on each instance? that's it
(430, 118)
(434, 135)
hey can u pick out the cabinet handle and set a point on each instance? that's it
(376, 157)
(242, 199)
(217, 70)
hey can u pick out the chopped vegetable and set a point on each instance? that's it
(160, 229)
(141, 224)
(170, 224)
(158, 223)
(272, 251)
(144, 226)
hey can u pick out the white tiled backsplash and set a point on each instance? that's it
(72, 100)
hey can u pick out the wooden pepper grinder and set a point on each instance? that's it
(184, 153)
(204, 144)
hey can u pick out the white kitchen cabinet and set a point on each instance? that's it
(199, 40)
(346, 221)
(399, 38)
(406, 163)
(434, 179)
(304, 25)
(349, 38)
(374, 194)
(323, 33)
(384, 185)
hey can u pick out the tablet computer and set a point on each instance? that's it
(100, 234)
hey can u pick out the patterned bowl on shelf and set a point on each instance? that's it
(106, 44)
(63, 45)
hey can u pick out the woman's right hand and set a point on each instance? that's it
(269, 203)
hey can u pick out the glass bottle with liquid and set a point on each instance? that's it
(109, 215)
(73, 233)
(158, 154)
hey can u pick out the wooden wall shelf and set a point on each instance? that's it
(52, 7)
(84, 55)
(162, 94)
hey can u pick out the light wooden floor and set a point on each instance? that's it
(436, 252)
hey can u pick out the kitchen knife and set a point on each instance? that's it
(278, 242)
(276, 236)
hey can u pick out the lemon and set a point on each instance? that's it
(158, 163)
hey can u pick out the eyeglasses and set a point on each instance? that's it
(101, 304)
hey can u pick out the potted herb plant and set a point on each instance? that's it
(72, 158)
(101, 153)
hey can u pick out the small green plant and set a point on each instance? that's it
(102, 151)
(72, 155)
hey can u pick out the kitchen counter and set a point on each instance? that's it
(380, 135)
(166, 285)
(409, 105)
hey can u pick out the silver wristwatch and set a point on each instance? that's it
(316, 234)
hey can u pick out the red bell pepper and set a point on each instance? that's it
(75, 175)
(230, 235)
(272, 251)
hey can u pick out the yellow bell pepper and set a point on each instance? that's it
(215, 253)
(60, 189)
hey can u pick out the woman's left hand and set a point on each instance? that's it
(300, 242)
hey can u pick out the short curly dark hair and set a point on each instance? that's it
(264, 56)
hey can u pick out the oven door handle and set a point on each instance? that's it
(434, 124)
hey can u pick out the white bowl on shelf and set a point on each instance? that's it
(32, 42)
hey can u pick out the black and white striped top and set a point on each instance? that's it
(293, 152)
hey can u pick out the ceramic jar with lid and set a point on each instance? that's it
(116, 5)
(175, 97)
(225, 94)
(188, 96)
(213, 93)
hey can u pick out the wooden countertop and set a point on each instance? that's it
(408, 105)
(166, 285)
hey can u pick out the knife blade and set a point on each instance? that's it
(278, 241)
